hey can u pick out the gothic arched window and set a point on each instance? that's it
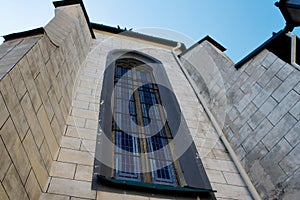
(137, 145)
(143, 141)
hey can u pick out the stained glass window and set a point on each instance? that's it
(138, 145)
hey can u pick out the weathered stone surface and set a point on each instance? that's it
(15, 150)
(84, 173)
(46, 155)
(47, 196)
(283, 107)
(293, 135)
(36, 161)
(72, 187)
(74, 156)
(18, 82)
(63, 170)
(13, 185)
(4, 160)
(285, 71)
(281, 128)
(44, 96)
(260, 132)
(32, 120)
(231, 192)
(291, 162)
(70, 142)
(3, 112)
(48, 133)
(13, 106)
(290, 82)
(32, 187)
(30, 84)
(3, 194)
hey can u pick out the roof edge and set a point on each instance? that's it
(73, 2)
(133, 34)
(258, 49)
(32, 32)
(210, 40)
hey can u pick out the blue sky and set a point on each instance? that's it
(239, 25)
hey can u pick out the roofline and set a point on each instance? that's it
(33, 32)
(210, 40)
(73, 2)
(258, 49)
(133, 34)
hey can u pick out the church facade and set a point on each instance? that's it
(90, 111)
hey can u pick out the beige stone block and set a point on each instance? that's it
(3, 194)
(76, 198)
(84, 173)
(88, 145)
(234, 179)
(44, 96)
(103, 195)
(13, 185)
(13, 106)
(86, 98)
(18, 82)
(220, 154)
(91, 124)
(63, 170)
(231, 191)
(47, 196)
(83, 133)
(32, 187)
(220, 165)
(76, 121)
(94, 106)
(56, 129)
(32, 57)
(48, 133)
(30, 84)
(73, 188)
(83, 90)
(36, 161)
(45, 78)
(140, 197)
(215, 176)
(80, 104)
(74, 156)
(64, 109)
(4, 160)
(15, 149)
(70, 142)
(57, 111)
(52, 75)
(77, 112)
(32, 120)
(3, 111)
(46, 155)
(44, 45)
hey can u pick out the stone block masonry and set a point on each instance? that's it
(262, 117)
(36, 90)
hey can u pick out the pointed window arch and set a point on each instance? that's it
(139, 122)
(132, 140)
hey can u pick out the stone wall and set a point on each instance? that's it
(35, 99)
(262, 117)
(263, 124)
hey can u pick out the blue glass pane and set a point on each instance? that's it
(127, 167)
(125, 123)
(162, 172)
(126, 143)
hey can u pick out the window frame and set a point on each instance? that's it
(189, 163)
(146, 160)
